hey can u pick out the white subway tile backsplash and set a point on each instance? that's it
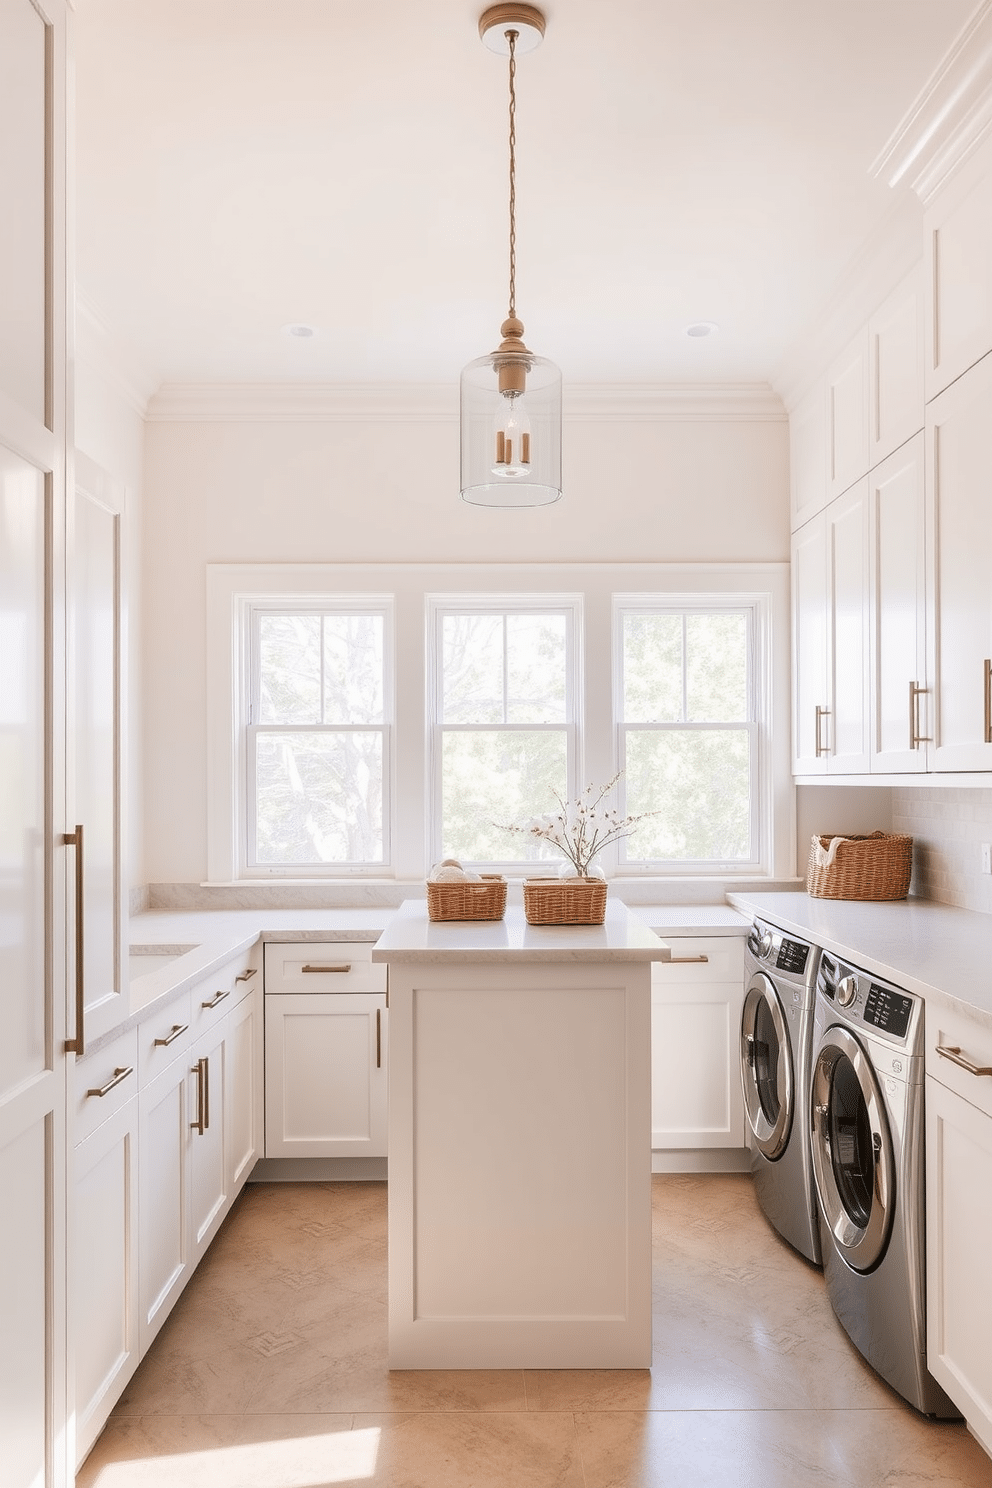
(948, 827)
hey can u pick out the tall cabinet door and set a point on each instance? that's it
(901, 700)
(959, 534)
(34, 1414)
(96, 671)
(811, 712)
(847, 636)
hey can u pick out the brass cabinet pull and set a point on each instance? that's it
(821, 714)
(915, 737)
(120, 1074)
(988, 701)
(76, 1045)
(953, 1053)
(684, 960)
(246, 976)
(327, 966)
(170, 1038)
(201, 1070)
(217, 997)
(378, 1038)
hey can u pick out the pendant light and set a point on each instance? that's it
(511, 399)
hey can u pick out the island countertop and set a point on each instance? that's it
(412, 936)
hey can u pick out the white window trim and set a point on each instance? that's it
(411, 585)
(439, 605)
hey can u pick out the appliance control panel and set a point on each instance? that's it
(792, 956)
(859, 999)
(793, 959)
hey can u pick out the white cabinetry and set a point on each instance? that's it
(808, 455)
(959, 1214)
(959, 538)
(325, 1051)
(900, 697)
(847, 417)
(830, 651)
(104, 1235)
(958, 232)
(199, 1114)
(895, 366)
(696, 1002)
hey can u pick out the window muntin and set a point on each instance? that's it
(504, 725)
(318, 738)
(688, 734)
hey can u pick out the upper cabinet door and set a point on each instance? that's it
(95, 735)
(895, 351)
(847, 633)
(959, 541)
(901, 701)
(958, 228)
(847, 416)
(808, 455)
(810, 600)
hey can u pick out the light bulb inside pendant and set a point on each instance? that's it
(513, 434)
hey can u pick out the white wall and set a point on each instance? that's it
(351, 491)
(110, 429)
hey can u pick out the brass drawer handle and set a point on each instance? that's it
(77, 1044)
(821, 748)
(246, 976)
(915, 737)
(327, 966)
(170, 1038)
(120, 1074)
(218, 997)
(988, 702)
(684, 960)
(201, 1069)
(378, 1038)
(953, 1053)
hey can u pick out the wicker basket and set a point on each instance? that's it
(565, 901)
(482, 900)
(878, 866)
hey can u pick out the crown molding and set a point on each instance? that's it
(100, 349)
(891, 252)
(438, 403)
(949, 118)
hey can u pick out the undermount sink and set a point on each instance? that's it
(142, 959)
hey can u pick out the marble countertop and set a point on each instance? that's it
(412, 936)
(942, 953)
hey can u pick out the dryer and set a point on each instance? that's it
(867, 1145)
(776, 1039)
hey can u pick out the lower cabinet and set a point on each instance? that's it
(325, 1075)
(696, 1003)
(104, 1288)
(959, 1215)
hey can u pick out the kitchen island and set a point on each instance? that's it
(519, 1141)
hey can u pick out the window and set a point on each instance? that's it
(504, 732)
(318, 737)
(688, 732)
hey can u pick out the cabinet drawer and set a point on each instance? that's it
(103, 1082)
(972, 1042)
(219, 992)
(162, 1037)
(709, 958)
(322, 966)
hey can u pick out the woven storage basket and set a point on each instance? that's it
(565, 901)
(875, 867)
(484, 900)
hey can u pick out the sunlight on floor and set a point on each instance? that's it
(288, 1462)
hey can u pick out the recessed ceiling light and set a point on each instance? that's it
(299, 330)
(697, 329)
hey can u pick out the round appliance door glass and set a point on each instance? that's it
(766, 1067)
(852, 1150)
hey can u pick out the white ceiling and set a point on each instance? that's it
(243, 164)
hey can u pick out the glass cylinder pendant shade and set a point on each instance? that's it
(511, 431)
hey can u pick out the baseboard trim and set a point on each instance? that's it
(319, 1170)
(702, 1160)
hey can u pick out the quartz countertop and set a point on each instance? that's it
(412, 936)
(942, 953)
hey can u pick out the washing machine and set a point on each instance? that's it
(776, 1041)
(867, 1145)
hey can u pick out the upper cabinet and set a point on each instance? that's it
(958, 228)
(895, 369)
(808, 456)
(847, 417)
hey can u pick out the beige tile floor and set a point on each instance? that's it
(271, 1373)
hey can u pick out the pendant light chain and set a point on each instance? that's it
(511, 37)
